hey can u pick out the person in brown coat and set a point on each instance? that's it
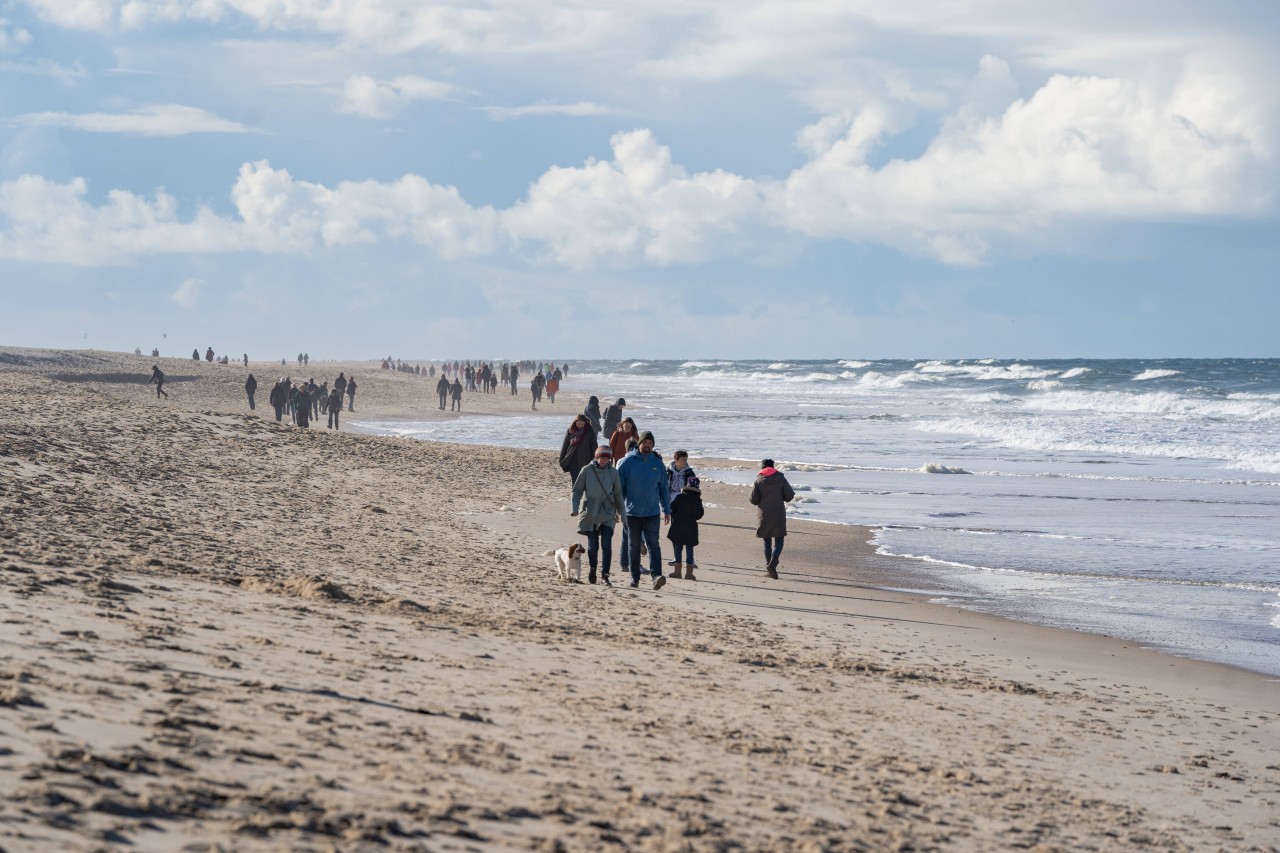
(625, 432)
(770, 494)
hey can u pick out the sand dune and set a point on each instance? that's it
(217, 632)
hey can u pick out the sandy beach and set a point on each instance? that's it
(222, 633)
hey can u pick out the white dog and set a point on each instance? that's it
(568, 562)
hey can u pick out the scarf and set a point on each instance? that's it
(575, 436)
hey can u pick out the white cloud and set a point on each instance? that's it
(548, 108)
(186, 293)
(156, 120)
(13, 39)
(365, 96)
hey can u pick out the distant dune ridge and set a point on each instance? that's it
(220, 631)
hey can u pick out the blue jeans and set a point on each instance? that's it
(600, 544)
(333, 418)
(687, 549)
(646, 526)
(773, 551)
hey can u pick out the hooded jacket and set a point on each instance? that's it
(613, 417)
(592, 411)
(618, 441)
(644, 484)
(770, 494)
(686, 509)
(597, 497)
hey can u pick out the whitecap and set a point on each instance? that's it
(935, 468)
(1077, 371)
(854, 365)
(1155, 374)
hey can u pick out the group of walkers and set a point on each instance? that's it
(641, 490)
(307, 400)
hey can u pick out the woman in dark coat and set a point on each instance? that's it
(592, 411)
(578, 447)
(770, 494)
(686, 509)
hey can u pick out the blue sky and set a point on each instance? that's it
(577, 179)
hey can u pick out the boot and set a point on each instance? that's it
(675, 571)
(688, 573)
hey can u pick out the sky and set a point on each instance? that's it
(579, 179)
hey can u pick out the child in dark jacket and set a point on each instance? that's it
(686, 509)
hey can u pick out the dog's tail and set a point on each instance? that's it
(550, 553)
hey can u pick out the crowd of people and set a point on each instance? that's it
(641, 493)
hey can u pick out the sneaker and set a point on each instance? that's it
(659, 582)
(772, 572)
(634, 585)
(605, 581)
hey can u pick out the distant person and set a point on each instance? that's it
(157, 377)
(644, 486)
(442, 389)
(613, 417)
(553, 385)
(208, 355)
(137, 350)
(770, 494)
(578, 447)
(155, 352)
(455, 392)
(251, 388)
(195, 354)
(306, 360)
(686, 509)
(598, 503)
(334, 406)
(313, 391)
(246, 359)
(351, 394)
(592, 411)
(535, 390)
(302, 406)
(515, 379)
(279, 398)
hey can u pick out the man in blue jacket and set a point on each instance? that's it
(645, 490)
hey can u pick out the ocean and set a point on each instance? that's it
(1138, 499)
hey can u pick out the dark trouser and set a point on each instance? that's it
(647, 527)
(333, 418)
(684, 549)
(351, 402)
(279, 412)
(304, 416)
(160, 390)
(444, 399)
(251, 406)
(457, 404)
(600, 544)
(773, 551)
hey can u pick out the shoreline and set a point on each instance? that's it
(219, 629)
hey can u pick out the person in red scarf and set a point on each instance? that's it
(770, 494)
(578, 447)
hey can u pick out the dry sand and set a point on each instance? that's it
(217, 632)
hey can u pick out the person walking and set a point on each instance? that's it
(644, 487)
(578, 447)
(598, 504)
(351, 394)
(455, 391)
(302, 406)
(613, 417)
(625, 432)
(770, 494)
(686, 509)
(553, 385)
(334, 406)
(279, 398)
(442, 388)
(157, 377)
(592, 411)
(251, 388)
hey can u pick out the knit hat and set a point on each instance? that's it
(766, 463)
(621, 402)
(603, 450)
(647, 436)
(693, 484)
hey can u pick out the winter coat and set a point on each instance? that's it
(612, 417)
(335, 400)
(618, 442)
(592, 412)
(251, 384)
(770, 494)
(575, 456)
(686, 509)
(340, 384)
(278, 395)
(597, 498)
(644, 484)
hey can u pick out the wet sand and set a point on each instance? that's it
(220, 632)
